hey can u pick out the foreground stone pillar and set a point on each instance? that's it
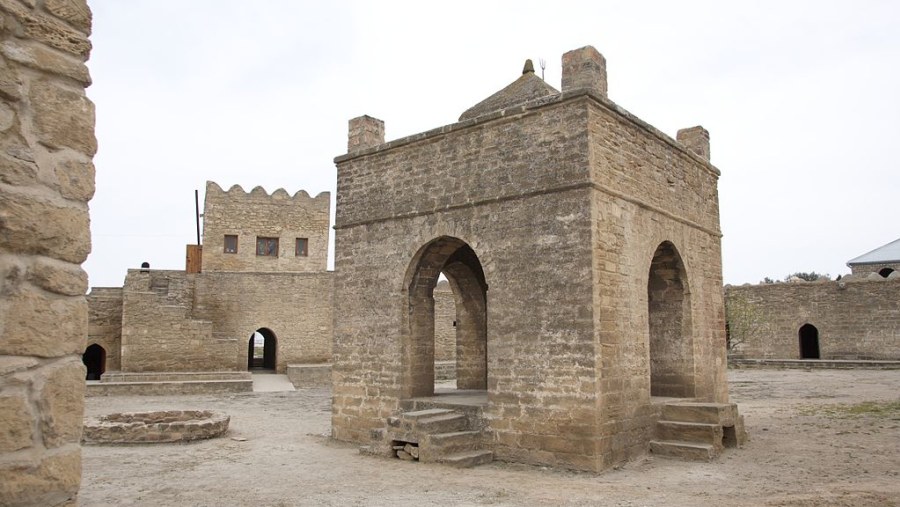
(46, 180)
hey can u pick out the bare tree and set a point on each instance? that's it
(743, 322)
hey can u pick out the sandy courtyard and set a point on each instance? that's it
(812, 443)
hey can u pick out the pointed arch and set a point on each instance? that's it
(670, 331)
(94, 359)
(265, 357)
(808, 336)
(459, 263)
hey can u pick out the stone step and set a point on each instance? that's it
(683, 450)
(445, 423)
(438, 445)
(709, 413)
(468, 459)
(690, 432)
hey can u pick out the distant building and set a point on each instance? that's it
(856, 317)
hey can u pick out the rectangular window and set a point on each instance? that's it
(302, 249)
(230, 243)
(267, 246)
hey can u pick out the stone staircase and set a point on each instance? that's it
(437, 435)
(697, 431)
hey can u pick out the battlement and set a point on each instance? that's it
(257, 231)
(258, 194)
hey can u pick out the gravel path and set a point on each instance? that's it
(811, 445)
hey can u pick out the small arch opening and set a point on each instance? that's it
(262, 350)
(94, 359)
(809, 342)
(885, 272)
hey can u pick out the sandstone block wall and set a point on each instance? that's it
(158, 331)
(865, 269)
(296, 307)
(444, 320)
(250, 215)
(105, 323)
(855, 319)
(46, 179)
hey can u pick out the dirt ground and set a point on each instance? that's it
(813, 443)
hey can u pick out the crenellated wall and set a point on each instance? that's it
(46, 180)
(255, 214)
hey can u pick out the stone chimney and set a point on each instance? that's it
(584, 68)
(696, 140)
(365, 132)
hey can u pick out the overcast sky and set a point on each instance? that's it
(802, 101)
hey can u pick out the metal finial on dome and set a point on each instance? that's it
(529, 67)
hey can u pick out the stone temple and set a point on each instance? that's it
(582, 247)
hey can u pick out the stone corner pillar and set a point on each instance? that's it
(47, 145)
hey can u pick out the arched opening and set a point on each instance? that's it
(262, 350)
(885, 272)
(460, 265)
(669, 318)
(94, 359)
(809, 342)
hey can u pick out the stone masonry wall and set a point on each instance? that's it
(253, 214)
(855, 319)
(647, 190)
(105, 323)
(158, 332)
(444, 323)
(865, 269)
(46, 180)
(296, 307)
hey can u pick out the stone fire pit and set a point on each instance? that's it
(155, 427)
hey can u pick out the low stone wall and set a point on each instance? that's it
(170, 384)
(739, 363)
(155, 427)
(309, 375)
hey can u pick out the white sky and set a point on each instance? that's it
(801, 98)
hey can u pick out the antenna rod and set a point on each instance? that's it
(197, 212)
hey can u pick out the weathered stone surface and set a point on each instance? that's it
(12, 273)
(61, 403)
(31, 225)
(7, 117)
(75, 178)
(156, 427)
(58, 277)
(15, 419)
(43, 325)
(14, 171)
(40, 57)
(75, 12)
(10, 82)
(13, 364)
(63, 117)
(45, 29)
(53, 481)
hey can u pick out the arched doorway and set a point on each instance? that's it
(94, 359)
(460, 265)
(885, 272)
(262, 350)
(809, 342)
(669, 319)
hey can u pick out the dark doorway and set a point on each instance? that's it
(885, 272)
(95, 360)
(261, 350)
(809, 342)
(669, 320)
(460, 265)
